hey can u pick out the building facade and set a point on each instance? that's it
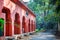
(15, 19)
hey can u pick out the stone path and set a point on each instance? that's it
(41, 36)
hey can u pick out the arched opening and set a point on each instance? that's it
(1, 27)
(23, 25)
(17, 24)
(32, 25)
(29, 25)
(8, 31)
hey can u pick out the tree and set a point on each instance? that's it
(46, 11)
(55, 17)
(39, 8)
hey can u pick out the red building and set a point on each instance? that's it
(18, 18)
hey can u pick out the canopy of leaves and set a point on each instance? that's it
(46, 11)
(56, 13)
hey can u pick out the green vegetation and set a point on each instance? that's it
(47, 13)
(1, 26)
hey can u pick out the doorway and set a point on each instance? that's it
(17, 24)
(8, 31)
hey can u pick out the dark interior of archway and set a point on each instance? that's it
(23, 24)
(5, 10)
(32, 25)
(8, 21)
(17, 24)
(29, 25)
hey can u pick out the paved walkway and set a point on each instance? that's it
(41, 36)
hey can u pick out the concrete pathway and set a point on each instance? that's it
(41, 36)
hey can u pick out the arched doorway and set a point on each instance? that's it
(1, 27)
(17, 24)
(29, 26)
(23, 25)
(8, 31)
(32, 25)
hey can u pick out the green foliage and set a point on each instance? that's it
(37, 30)
(56, 14)
(1, 27)
(39, 7)
(52, 17)
(1, 24)
(1, 21)
(58, 2)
